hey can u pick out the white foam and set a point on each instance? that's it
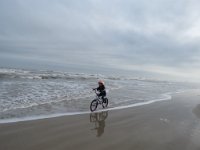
(3, 121)
(167, 97)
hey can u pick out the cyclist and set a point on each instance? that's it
(101, 89)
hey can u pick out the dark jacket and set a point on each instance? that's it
(102, 90)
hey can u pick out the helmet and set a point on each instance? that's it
(100, 82)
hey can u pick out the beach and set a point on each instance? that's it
(165, 125)
(61, 62)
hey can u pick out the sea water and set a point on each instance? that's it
(26, 94)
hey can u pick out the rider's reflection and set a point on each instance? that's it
(99, 120)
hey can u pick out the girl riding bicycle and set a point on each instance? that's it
(101, 97)
(101, 89)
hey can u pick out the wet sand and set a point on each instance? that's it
(166, 125)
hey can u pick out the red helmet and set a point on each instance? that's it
(100, 82)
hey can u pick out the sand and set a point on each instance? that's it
(166, 125)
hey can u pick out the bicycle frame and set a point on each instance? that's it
(99, 98)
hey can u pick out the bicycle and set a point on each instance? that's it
(98, 100)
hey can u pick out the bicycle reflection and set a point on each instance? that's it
(99, 121)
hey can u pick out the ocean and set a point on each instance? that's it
(35, 94)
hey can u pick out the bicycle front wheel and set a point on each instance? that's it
(93, 105)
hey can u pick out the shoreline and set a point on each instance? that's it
(172, 124)
(34, 118)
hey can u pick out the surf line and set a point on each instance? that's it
(167, 96)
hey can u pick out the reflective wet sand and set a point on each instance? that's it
(167, 125)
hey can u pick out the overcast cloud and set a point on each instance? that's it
(157, 36)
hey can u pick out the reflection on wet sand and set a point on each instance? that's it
(196, 111)
(99, 121)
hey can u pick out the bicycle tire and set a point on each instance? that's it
(93, 105)
(105, 103)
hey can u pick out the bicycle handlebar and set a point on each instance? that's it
(95, 90)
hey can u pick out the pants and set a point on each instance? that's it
(103, 94)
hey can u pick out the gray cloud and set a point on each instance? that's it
(162, 33)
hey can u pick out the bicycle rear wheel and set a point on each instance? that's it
(105, 103)
(93, 105)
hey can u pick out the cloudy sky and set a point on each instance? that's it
(153, 36)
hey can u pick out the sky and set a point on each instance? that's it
(156, 36)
